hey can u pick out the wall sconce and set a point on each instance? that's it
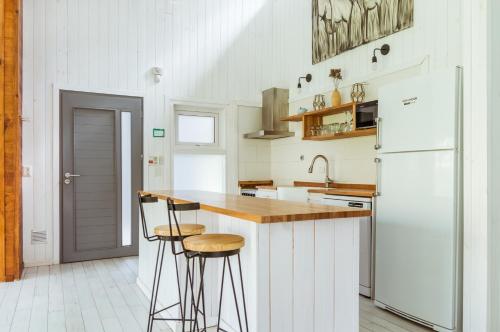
(157, 73)
(308, 78)
(384, 50)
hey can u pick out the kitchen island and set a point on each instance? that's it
(300, 261)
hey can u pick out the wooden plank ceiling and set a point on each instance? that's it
(10, 140)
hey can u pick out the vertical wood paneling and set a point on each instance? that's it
(41, 148)
(280, 275)
(28, 126)
(300, 276)
(72, 43)
(50, 76)
(84, 44)
(219, 50)
(263, 288)
(494, 178)
(324, 273)
(303, 280)
(62, 40)
(476, 136)
(346, 238)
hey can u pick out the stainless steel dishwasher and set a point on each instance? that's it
(365, 238)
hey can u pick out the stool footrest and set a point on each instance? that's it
(166, 308)
(175, 319)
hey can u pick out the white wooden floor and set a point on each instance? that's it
(372, 318)
(103, 296)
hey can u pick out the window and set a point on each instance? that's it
(199, 161)
(126, 148)
(197, 128)
(205, 172)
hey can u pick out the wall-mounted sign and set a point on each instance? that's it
(158, 132)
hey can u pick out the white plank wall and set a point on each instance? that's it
(210, 50)
(494, 121)
(216, 50)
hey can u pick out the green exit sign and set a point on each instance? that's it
(158, 132)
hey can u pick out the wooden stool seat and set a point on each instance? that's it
(211, 243)
(186, 230)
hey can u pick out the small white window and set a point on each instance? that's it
(197, 128)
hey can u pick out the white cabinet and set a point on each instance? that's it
(295, 194)
(315, 198)
(267, 193)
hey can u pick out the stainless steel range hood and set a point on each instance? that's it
(274, 108)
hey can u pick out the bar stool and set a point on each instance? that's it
(215, 246)
(173, 234)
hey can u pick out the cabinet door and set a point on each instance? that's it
(266, 194)
(295, 194)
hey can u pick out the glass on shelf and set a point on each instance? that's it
(335, 128)
(324, 130)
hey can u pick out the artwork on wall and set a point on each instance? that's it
(341, 25)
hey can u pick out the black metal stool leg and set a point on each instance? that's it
(179, 289)
(221, 293)
(197, 306)
(154, 286)
(234, 293)
(188, 277)
(153, 289)
(202, 271)
(193, 301)
(243, 292)
(157, 283)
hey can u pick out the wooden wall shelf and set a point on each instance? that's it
(315, 118)
(323, 112)
(294, 118)
(350, 134)
(332, 110)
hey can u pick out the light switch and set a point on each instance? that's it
(26, 171)
(155, 160)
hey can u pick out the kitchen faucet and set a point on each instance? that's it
(327, 178)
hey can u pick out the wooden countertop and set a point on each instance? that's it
(260, 210)
(340, 189)
(344, 192)
(254, 183)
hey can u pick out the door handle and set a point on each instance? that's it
(377, 142)
(377, 184)
(354, 204)
(68, 175)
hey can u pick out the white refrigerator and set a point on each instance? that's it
(418, 203)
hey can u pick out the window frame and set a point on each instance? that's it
(199, 113)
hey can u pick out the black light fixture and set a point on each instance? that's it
(384, 50)
(308, 78)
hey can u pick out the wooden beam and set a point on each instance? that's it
(2, 149)
(10, 140)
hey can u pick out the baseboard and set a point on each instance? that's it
(36, 264)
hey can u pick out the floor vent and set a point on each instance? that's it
(38, 237)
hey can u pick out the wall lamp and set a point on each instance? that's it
(384, 50)
(308, 78)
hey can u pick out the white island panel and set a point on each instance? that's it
(298, 276)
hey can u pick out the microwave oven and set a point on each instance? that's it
(366, 115)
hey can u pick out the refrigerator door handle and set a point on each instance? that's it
(377, 142)
(377, 183)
